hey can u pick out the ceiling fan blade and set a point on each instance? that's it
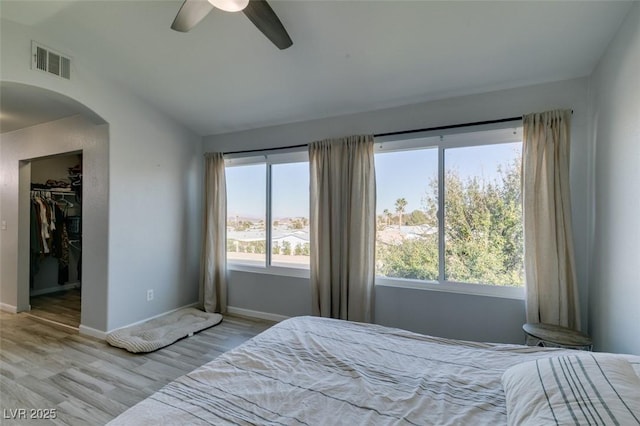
(264, 18)
(191, 12)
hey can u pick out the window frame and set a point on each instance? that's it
(442, 140)
(268, 159)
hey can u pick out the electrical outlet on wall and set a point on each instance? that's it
(149, 295)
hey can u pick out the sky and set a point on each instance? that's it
(399, 174)
(246, 190)
(406, 174)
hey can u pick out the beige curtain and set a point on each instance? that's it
(342, 222)
(550, 278)
(213, 289)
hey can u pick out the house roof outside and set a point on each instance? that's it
(298, 237)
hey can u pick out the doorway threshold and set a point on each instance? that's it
(53, 323)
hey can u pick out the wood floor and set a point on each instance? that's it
(62, 307)
(89, 382)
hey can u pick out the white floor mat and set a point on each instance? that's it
(162, 331)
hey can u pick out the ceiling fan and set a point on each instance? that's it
(258, 11)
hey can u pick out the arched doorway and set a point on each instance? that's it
(37, 123)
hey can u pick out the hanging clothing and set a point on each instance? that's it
(34, 252)
(61, 244)
(49, 236)
(79, 267)
(41, 209)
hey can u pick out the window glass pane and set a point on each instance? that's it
(246, 207)
(407, 205)
(290, 215)
(483, 215)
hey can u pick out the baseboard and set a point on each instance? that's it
(8, 308)
(88, 331)
(102, 335)
(48, 290)
(256, 314)
(190, 305)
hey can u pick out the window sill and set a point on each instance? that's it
(454, 287)
(272, 270)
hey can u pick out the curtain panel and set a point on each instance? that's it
(213, 286)
(550, 278)
(342, 227)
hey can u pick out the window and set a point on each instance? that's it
(482, 215)
(449, 209)
(272, 190)
(246, 209)
(407, 221)
(290, 215)
(448, 212)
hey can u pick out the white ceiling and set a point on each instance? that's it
(347, 56)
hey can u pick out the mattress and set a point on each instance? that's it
(310, 371)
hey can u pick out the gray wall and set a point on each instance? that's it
(66, 135)
(153, 205)
(615, 115)
(274, 294)
(453, 315)
(440, 313)
(154, 165)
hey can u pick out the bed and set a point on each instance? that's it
(310, 371)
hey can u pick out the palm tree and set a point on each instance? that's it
(401, 203)
(387, 216)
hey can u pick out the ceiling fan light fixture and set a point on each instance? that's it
(230, 5)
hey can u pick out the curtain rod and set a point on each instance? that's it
(403, 132)
(450, 126)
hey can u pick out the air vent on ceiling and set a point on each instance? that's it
(48, 60)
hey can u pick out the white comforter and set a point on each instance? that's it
(315, 371)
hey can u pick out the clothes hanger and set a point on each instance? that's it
(66, 202)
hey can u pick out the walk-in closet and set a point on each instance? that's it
(55, 276)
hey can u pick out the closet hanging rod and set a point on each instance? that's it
(54, 192)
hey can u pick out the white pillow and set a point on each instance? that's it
(585, 388)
